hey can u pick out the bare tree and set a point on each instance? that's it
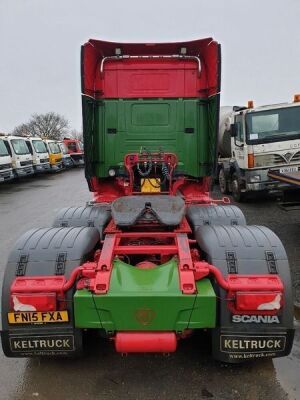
(76, 134)
(49, 125)
(23, 130)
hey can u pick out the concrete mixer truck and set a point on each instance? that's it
(252, 142)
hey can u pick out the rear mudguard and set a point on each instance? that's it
(248, 250)
(97, 216)
(45, 252)
(198, 215)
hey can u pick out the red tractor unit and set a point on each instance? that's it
(153, 258)
(75, 149)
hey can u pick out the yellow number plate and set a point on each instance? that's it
(150, 185)
(37, 317)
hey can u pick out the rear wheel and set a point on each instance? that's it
(223, 183)
(96, 216)
(46, 252)
(199, 215)
(236, 189)
(244, 251)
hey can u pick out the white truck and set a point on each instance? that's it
(252, 142)
(40, 155)
(6, 170)
(22, 162)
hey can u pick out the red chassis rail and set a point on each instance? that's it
(243, 292)
(106, 190)
(154, 243)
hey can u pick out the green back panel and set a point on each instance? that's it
(147, 300)
(113, 128)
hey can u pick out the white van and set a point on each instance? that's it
(6, 171)
(40, 155)
(21, 158)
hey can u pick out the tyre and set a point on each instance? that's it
(223, 183)
(236, 189)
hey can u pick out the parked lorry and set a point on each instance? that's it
(40, 155)
(55, 155)
(6, 170)
(66, 158)
(22, 162)
(75, 149)
(147, 269)
(254, 141)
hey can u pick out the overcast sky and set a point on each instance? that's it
(40, 47)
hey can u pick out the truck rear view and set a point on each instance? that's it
(153, 258)
(150, 97)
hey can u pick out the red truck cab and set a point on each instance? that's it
(75, 149)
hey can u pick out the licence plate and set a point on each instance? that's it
(37, 317)
(286, 170)
(150, 185)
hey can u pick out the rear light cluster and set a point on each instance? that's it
(260, 294)
(33, 302)
(41, 293)
(258, 301)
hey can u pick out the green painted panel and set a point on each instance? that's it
(147, 300)
(154, 115)
(85, 312)
(187, 127)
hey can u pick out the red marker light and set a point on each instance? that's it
(258, 301)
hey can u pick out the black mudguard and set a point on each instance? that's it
(42, 252)
(97, 215)
(214, 215)
(248, 250)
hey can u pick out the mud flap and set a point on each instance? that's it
(248, 250)
(96, 216)
(42, 342)
(233, 345)
(215, 215)
(45, 252)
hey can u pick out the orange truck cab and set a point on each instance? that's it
(55, 155)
